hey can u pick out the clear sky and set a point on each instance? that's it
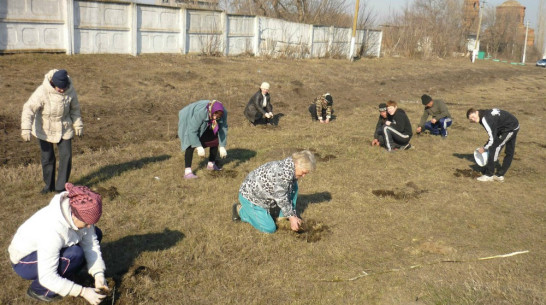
(383, 8)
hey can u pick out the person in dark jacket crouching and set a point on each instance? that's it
(273, 185)
(502, 128)
(259, 108)
(397, 130)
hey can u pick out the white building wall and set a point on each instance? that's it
(139, 27)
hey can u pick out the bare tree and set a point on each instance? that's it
(426, 28)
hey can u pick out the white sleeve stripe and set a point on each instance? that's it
(489, 132)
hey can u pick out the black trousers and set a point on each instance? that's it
(208, 139)
(508, 140)
(49, 162)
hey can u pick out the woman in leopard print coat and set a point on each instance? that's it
(274, 184)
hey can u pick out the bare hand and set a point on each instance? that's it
(327, 121)
(388, 123)
(481, 150)
(433, 121)
(295, 223)
(418, 130)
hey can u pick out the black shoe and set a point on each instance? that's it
(234, 213)
(42, 298)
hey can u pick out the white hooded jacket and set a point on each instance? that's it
(47, 232)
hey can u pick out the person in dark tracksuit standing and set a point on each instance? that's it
(397, 130)
(502, 128)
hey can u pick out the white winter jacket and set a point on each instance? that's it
(50, 115)
(47, 232)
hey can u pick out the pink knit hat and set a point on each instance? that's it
(86, 205)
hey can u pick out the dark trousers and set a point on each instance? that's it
(49, 162)
(508, 140)
(71, 260)
(208, 139)
(394, 138)
(313, 111)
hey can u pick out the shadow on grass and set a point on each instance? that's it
(110, 171)
(469, 157)
(119, 255)
(305, 200)
(237, 155)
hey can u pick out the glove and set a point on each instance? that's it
(200, 151)
(79, 131)
(93, 297)
(100, 281)
(25, 134)
(223, 152)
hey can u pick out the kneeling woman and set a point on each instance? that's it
(53, 245)
(202, 124)
(274, 184)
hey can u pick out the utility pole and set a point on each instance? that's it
(355, 19)
(525, 43)
(477, 44)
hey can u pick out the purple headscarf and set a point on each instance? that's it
(213, 107)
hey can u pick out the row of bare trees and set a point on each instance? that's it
(319, 12)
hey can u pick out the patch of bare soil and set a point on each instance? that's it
(311, 230)
(468, 173)
(410, 191)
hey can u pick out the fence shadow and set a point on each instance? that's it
(120, 255)
(110, 171)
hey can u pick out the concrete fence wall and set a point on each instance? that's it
(139, 27)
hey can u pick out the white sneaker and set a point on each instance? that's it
(498, 178)
(485, 178)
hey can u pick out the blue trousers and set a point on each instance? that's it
(440, 127)
(71, 260)
(259, 217)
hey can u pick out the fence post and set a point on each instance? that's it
(256, 36)
(311, 39)
(69, 26)
(183, 30)
(225, 30)
(133, 29)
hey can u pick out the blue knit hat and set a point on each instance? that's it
(60, 79)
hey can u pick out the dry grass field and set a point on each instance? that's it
(406, 227)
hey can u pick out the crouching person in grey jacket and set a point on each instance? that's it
(55, 242)
(274, 184)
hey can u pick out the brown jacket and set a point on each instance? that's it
(51, 115)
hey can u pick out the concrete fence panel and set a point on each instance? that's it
(140, 26)
(101, 27)
(28, 25)
(159, 30)
(240, 35)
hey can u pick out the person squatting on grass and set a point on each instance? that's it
(397, 130)
(259, 108)
(502, 128)
(441, 119)
(378, 138)
(272, 185)
(321, 108)
(202, 124)
(54, 243)
(52, 114)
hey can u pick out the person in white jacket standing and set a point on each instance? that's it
(52, 114)
(55, 242)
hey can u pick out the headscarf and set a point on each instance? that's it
(85, 204)
(213, 107)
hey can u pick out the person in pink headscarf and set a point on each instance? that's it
(55, 242)
(202, 124)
